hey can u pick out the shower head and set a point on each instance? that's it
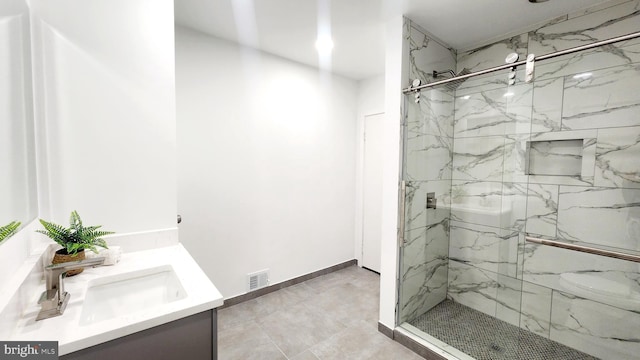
(448, 71)
(453, 85)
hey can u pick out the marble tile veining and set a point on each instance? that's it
(618, 157)
(536, 309)
(494, 112)
(493, 54)
(423, 287)
(416, 213)
(515, 152)
(428, 157)
(514, 206)
(542, 209)
(613, 216)
(600, 25)
(595, 328)
(606, 98)
(473, 287)
(425, 54)
(509, 299)
(587, 61)
(484, 247)
(478, 202)
(478, 158)
(547, 105)
(546, 265)
(425, 252)
(433, 115)
(485, 291)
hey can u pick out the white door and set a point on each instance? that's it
(372, 197)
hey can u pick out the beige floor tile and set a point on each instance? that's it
(260, 307)
(281, 299)
(334, 316)
(247, 341)
(296, 329)
(307, 355)
(361, 342)
(303, 290)
(347, 304)
(237, 314)
(340, 277)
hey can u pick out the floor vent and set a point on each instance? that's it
(257, 280)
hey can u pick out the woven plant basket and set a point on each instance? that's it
(62, 257)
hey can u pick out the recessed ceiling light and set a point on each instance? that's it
(508, 94)
(324, 45)
(466, 97)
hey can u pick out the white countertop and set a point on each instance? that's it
(202, 295)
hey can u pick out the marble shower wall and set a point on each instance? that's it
(593, 98)
(428, 141)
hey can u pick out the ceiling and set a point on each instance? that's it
(288, 28)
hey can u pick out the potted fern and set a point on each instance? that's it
(74, 240)
(8, 230)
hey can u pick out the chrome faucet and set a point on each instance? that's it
(54, 300)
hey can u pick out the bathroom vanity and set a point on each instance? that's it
(155, 303)
(193, 337)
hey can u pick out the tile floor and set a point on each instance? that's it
(334, 316)
(486, 338)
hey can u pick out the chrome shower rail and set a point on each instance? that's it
(585, 249)
(523, 62)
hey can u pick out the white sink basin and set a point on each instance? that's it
(128, 293)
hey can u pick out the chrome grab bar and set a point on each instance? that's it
(585, 249)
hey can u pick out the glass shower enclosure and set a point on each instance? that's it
(516, 196)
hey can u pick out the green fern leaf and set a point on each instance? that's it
(76, 237)
(9, 230)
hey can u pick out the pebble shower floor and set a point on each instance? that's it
(487, 338)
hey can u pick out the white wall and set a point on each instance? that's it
(266, 170)
(371, 96)
(394, 73)
(105, 111)
(17, 179)
(370, 101)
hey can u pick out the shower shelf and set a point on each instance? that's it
(585, 249)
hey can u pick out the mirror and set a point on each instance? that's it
(18, 197)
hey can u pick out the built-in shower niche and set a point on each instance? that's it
(556, 157)
(550, 157)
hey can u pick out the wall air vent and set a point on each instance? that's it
(257, 280)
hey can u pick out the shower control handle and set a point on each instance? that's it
(431, 200)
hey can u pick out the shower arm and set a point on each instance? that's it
(523, 62)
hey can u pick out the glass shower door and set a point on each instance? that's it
(426, 173)
(460, 281)
(555, 160)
